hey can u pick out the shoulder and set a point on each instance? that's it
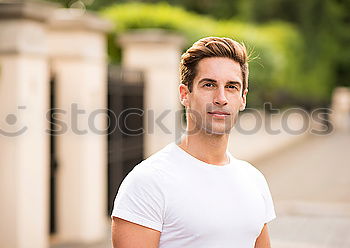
(143, 184)
(150, 170)
(141, 196)
(251, 173)
(248, 168)
(255, 176)
(142, 174)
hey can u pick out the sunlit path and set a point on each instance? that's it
(310, 183)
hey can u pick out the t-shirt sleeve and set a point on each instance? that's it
(269, 207)
(140, 199)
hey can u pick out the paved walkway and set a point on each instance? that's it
(103, 244)
(310, 183)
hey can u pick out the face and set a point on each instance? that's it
(216, 98)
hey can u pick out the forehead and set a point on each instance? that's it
(219, 69)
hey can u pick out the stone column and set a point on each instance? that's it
(156, 53)
(24, 142)
(77, 47)
(340, 116)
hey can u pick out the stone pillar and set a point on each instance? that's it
(156, 53)
(77, 47)
(24, 141)
(340, 116)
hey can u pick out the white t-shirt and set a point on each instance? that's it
(194, 204)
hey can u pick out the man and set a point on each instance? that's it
(195, 194)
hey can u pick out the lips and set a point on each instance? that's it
(219, 114)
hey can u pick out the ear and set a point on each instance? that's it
(244, 100)
(184, 93)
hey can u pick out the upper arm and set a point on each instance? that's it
(263, 240)
(126, 234)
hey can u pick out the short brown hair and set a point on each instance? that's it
(212, 47)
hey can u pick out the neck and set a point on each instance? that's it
(209, 148)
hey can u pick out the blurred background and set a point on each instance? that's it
(88, 89)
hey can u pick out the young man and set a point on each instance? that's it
(195, 194)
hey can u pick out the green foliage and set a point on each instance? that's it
(161, 15)
(324, 28)
(277, 49)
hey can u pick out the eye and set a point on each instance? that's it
(232, 86)
(209, 85)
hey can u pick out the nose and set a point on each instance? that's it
(220, 97)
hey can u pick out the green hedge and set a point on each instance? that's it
(277, 73)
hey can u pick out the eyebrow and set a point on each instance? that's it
(214, 81)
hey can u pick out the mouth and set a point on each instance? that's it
(219, 114)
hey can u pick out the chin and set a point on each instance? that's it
(217, 131)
